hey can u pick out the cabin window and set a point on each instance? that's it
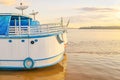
(14, 21)
(35, 23)
(24, 21)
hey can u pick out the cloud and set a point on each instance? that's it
(94, 14)
(92, 20)
(97, 9)
(83, 18)
(7, 2)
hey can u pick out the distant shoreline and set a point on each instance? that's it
(111, 27)
(99, 28)
(96, 28)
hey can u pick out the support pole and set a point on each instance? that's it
(19, 26)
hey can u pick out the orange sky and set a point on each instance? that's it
(80, 12)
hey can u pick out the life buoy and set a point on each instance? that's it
(28, 63)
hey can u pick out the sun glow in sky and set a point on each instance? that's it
(81, 12)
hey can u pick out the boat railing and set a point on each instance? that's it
(34, 30)
(16, 30)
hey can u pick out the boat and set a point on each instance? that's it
(27, 44)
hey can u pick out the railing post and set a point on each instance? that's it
(29, 26)
(40, 29)
(19, 25)
(15, 27)
(47, 29)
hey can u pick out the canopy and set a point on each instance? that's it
(4, 25)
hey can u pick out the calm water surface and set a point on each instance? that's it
(91, 55)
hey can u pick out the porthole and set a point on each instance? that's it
(10, 41)
(22, 40)
(32, 42)
(36, 40)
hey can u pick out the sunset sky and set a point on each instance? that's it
(81, 12)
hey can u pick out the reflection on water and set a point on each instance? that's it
(56, 72)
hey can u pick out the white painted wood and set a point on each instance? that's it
(16, 50)
(19, 50)
(5, 49)
(45, 47)
(48, 62)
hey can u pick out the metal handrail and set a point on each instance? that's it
(33, 30)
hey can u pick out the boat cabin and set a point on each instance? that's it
(16, 24)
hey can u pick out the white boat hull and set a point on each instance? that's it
(45, 51)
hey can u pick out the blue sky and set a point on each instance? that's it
(81, 12)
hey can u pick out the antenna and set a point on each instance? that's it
(22, 7)
(61, 21)
(34, 13)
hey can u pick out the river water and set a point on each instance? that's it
(91, 55)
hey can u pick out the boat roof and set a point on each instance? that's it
(13, 14)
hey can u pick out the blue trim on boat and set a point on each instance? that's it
(48, 58)
(22, 68)
(30, 36)
(37, 59)
(51, 64)
(11, 68)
